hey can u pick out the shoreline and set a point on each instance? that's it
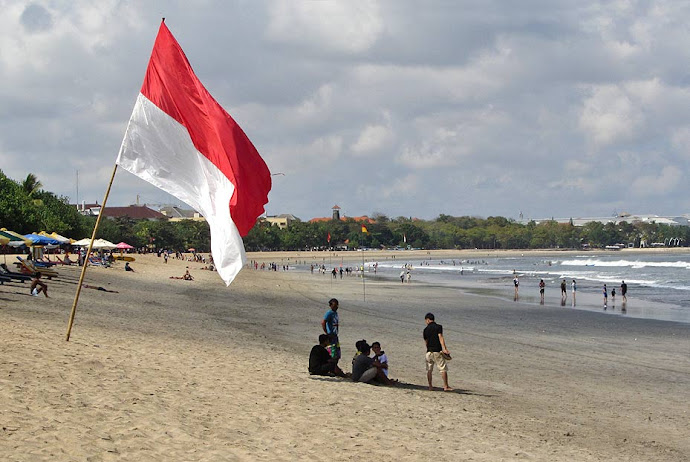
(191, 370)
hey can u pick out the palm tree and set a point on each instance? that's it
(31, 185)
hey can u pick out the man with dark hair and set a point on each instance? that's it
(329, 324)
(624, 291)
(320, 361)
(436, 351)
(367, 370)
(38, 286)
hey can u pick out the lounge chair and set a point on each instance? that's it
(28, 267)
(5, 272)
(4, 279)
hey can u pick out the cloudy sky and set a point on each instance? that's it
(406, 108)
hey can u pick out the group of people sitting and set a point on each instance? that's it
(366, 368)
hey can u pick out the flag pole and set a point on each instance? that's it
(364, 289)
(86, 258)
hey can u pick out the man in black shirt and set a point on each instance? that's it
(436, 351)
(320, 361)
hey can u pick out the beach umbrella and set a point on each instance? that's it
(123, 245)
(56, 236)
(4, 240)
(16, 239)
(37, 239)
(82, 242)
(103, 244)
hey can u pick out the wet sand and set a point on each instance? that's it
(190, 370)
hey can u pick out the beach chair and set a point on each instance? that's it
(4, 279)
(59, 261)
(97, 261)
(6, 273)
(28, 267)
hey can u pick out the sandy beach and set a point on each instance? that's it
(167, 369)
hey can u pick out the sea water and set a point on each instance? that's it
(658, 284)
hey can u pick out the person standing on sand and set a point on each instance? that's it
(435, 350)
(564, 293)
(542, 285)
(330, 324)
(624, 291)
(516, 283)
(573, 287)
(606, 295)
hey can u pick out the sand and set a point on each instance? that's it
(190, 370)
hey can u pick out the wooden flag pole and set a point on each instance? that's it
(364, 290)
(86, 258)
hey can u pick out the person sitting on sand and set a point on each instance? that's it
(186, 276)
(38, 286)
(66, 259)
(358, 347)
(368, 370)
(128, 268)
(320, 360)
(380, 356)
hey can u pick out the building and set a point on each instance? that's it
(135, 212)
(680, 220)
(336, 216)
(282, 221)
(175, 213)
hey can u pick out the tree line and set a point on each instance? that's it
(448, 232)
(25, 208)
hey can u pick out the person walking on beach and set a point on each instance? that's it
(516, 283)
(606, 295)
(542, 285)
(330, 324)
(564, 293)
(436, 351)
(624, 291)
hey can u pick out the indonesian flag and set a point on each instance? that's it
(182, 141)
(364, 229)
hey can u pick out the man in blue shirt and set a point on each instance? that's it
(329, 324)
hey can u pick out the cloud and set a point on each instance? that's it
(661, 183)
(550, 108)
(373, 138)
(345, 27)
(609, 115)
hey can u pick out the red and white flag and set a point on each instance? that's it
(182, 141)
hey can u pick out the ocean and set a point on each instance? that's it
(658, 284)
